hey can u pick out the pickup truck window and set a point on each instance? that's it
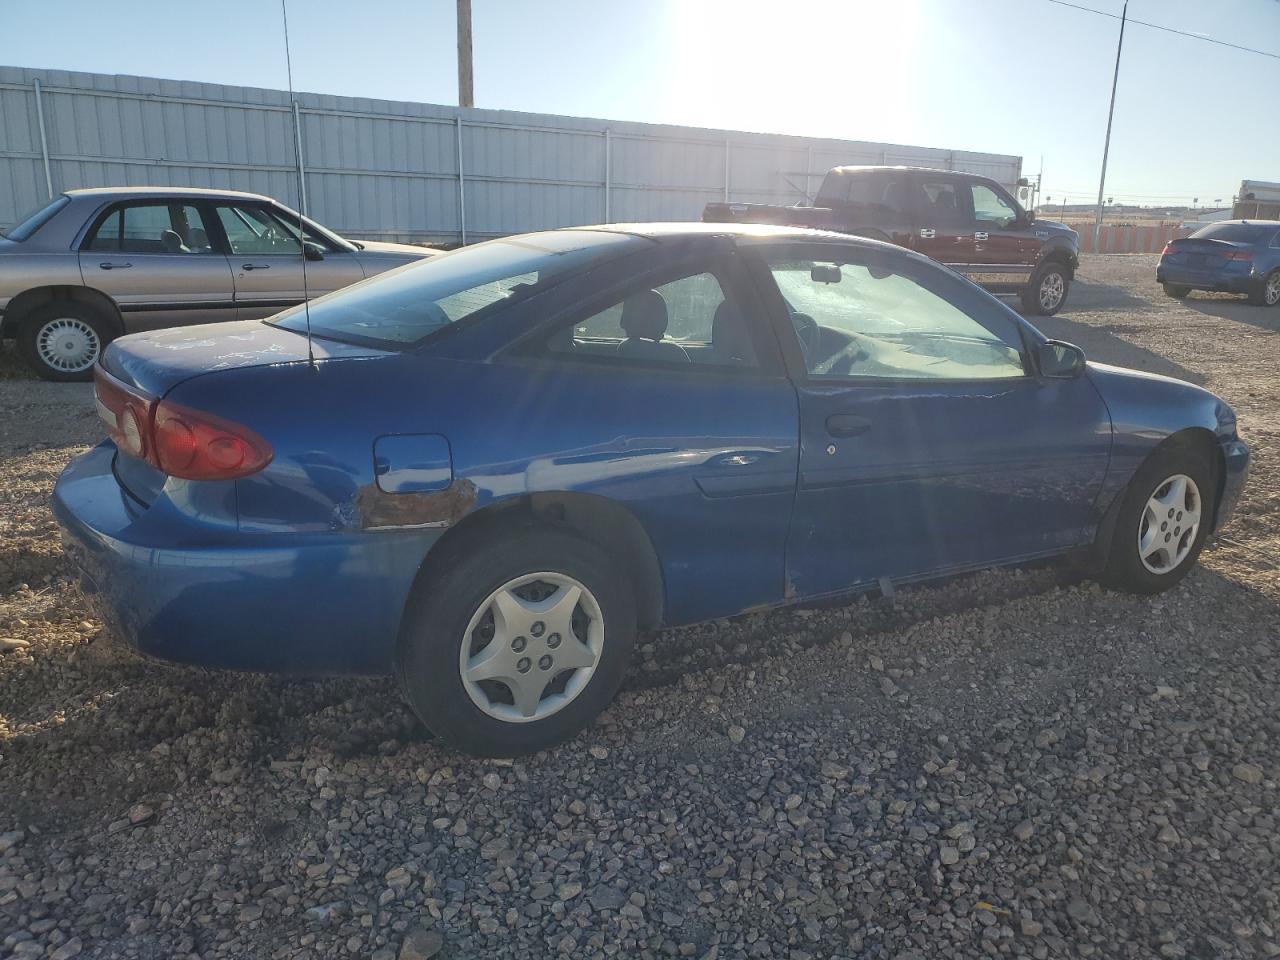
(944, 204)
(989, 207)
(877, 197)
(853, 322)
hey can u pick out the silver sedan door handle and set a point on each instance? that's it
(927, 233)
(107, 265)
(255, 266)
(980, 235)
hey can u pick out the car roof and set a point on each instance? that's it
(674, 230)
(872, 167)
(165, 192)
(1245, 223)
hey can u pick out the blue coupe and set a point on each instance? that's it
(1232, 256)
(485, 472)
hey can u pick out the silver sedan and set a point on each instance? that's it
(94, 264)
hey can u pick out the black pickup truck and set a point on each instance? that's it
(968, 222)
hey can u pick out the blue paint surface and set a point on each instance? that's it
(743, 495)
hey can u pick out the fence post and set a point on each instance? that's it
(302, 170)
(726, 169)
(462, 189)
(44, 143)
(608, 171)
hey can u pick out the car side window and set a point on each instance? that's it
(164, 228)
(686, 320)
(944, 204)
(257, 231)
(990, 208)
(856, 321)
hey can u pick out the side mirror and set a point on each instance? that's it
(312, 251)
(1030, 217)
(1060, 361)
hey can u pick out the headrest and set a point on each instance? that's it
(644, 315)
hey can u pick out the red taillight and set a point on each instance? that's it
(1167, 248)
(1240, 255)
(200, 446)
(180, 441)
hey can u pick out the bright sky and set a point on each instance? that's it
(1025, 77)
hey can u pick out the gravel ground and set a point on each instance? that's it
(1015, 763)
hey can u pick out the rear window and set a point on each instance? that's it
(29, 223)
(404, 306)
(1235, 232)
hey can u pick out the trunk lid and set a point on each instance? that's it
(1203, 254)
(155, 362)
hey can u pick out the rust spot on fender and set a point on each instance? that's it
(376, 508)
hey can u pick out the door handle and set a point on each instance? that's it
(927, 233)
(115, 266)
(255, 266)
(980, 235)
(847, 425)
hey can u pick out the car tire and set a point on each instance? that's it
(61, 341)
(1267, 293)
(492, 591)
(1046, 294)
(1177, 291)
(1151, 547)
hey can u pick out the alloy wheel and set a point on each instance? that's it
(1272, 294)
(531, 647)
(1052, 289)
(1169, 522)
(68, 345)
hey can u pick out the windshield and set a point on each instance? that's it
(402, 307)
(29, 223)
(1235, 232)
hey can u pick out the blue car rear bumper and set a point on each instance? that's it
(1222, 280)
(314, 603)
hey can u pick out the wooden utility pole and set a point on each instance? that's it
(466, 84)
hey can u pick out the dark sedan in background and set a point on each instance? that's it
(93, 264)
(1234, 256)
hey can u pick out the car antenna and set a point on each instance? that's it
(302, 188)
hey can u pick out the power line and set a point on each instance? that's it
(1157, 26)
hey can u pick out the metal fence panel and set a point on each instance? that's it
(390, 169)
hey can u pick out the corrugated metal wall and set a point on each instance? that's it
(390, 169)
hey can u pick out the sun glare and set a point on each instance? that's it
(838, 69)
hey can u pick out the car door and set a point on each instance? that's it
(265, 254)
(1005, 248)
(928, 443)
(663, 391)
(944, 220)
(155, 259)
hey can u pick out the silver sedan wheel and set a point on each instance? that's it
(1167, 529)
(68, 345)
(1272, 293)
(1052, 289)
(532, 647)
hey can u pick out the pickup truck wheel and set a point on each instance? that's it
(1047, 291)
(1176, 291)
(61, 341)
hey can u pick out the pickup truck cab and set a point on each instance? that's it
(968, 222)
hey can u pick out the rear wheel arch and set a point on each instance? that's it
(20, 307)
(603, 522)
